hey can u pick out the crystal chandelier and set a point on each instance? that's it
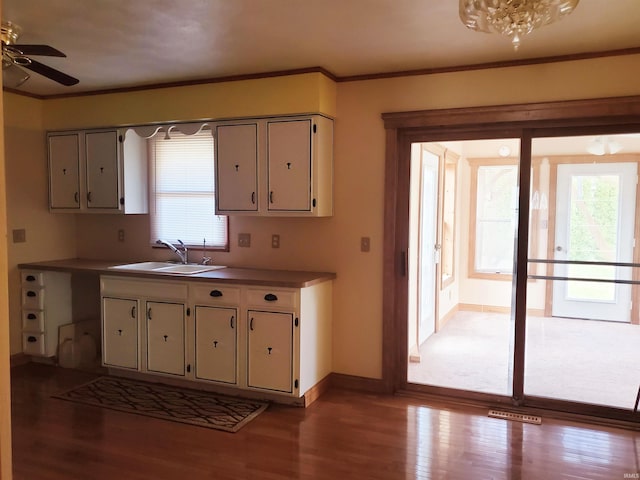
(513, 18)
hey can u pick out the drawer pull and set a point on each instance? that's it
(251, 324)
(31, 293)
(215, 293)
(231, 321)
(32, 339)
(270, 297)
(30, 278)
(133, 312)
(31, 316)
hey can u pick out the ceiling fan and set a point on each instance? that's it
(16, 57)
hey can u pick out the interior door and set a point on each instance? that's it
(428, 250)
(595, 221)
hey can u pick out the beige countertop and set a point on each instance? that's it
(230, 275)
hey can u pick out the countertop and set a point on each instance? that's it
(229, 275)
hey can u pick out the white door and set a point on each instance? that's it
(237, 167)
(216, 343)
(270, 351)
(289, 165)
(428, 252)
(165, 337)
(595, 219)
(102, 170)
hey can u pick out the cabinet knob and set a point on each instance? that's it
(165, 337)
(269, 348)
(119, 332)
(215, 344)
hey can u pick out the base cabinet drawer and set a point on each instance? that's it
(34, 344)
(33, 321)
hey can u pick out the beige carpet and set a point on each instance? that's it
(578, 360)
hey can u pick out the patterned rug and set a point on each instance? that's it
(195, 407)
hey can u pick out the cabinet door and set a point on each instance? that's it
(101, 150)
(165, 337)
(120, 332)
(270, 350)
(289, 165)
(237, 168)
(64, 171)
(216, 342)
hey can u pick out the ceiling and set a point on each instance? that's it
(123, 43)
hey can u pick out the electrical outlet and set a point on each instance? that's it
(121, 235)
(275, 241)
(244, 239)
(365, 244)
(19, 235)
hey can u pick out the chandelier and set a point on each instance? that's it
(513, 18)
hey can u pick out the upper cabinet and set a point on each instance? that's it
(275, 166)
(97, 171)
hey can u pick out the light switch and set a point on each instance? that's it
(244, 239)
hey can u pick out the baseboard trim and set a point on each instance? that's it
(363, 384)
(316, 391)
(472, 307)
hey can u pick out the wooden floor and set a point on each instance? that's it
(344, 435)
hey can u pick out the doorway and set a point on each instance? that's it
(595, 218)
(533, 266)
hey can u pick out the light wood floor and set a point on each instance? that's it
(344, 435)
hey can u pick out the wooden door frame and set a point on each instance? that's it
(401, 128)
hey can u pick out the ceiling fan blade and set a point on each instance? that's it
(52, 73)
(44, 50)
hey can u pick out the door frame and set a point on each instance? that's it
(608, 115)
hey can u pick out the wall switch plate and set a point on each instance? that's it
(19, 235)
(244, 239)
(365, 244)
(275, 241)
(121, 235)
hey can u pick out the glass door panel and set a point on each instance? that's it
(581, 337)
(468, 342)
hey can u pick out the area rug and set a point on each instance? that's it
(194, 407)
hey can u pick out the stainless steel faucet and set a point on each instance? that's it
(184, 254)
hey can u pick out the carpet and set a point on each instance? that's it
(194, 407)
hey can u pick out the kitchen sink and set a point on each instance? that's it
(166, 267)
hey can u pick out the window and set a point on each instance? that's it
(495, 218)
(182, 203)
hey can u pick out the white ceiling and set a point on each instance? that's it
(123, 43)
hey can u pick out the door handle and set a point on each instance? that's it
(558, 248)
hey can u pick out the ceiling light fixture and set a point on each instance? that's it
(603, 145)
(513, 18)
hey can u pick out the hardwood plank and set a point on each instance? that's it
(344, 434)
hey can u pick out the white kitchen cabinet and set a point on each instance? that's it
(216, 343)
(120, 332)
(144, 325)
(281, 166)
(46, 304)
(270, 351)
(237, 167)
(97, 171)
(165, 337)
(271, 341)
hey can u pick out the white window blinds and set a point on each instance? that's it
(182, 190)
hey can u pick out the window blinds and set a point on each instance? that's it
(182, 190)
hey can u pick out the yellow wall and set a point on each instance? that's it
(330, 244)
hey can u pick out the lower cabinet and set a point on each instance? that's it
(216, 343)
(120, 332)
(165, 337)
(270, 351)
(271, 340)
